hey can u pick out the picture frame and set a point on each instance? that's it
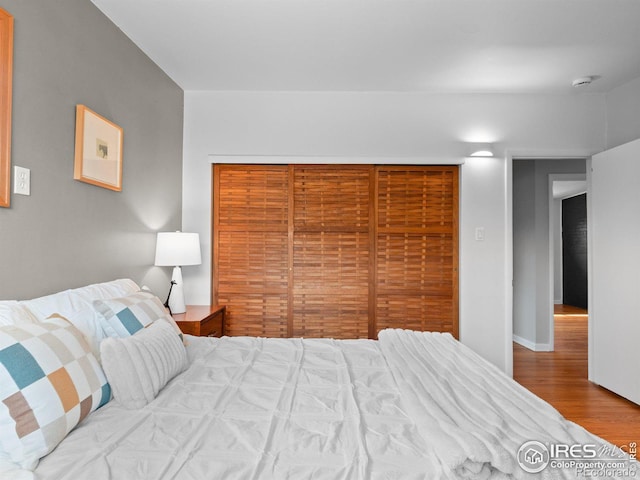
(98, 154)
(6, 79)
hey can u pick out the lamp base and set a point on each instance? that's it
(176, 297)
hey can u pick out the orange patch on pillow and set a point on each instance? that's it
(63, 384)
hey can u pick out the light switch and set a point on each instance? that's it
(480, 234)
(21, 181)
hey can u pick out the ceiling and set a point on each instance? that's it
(452, 46)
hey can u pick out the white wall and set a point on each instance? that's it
(485, 322)
(614, 281)
(614, 259)
(384, 127)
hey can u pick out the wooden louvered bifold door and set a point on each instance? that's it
(417, 249)
(336, 251)
(331, 245)
(250, 248)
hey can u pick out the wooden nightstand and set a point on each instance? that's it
(202, 320)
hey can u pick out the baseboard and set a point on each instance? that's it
(536, 347)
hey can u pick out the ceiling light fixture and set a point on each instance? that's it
(481, 150)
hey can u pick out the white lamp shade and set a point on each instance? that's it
(177, 249)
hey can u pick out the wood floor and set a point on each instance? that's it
(560, 377)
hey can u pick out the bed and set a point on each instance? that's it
(411, 405)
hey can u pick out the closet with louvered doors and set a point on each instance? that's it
(335, 251)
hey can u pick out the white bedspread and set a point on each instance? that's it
(250, 408)
(410, 406)
(472, 415)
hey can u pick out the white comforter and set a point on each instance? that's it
(251, 408)
(411, 406)
(473, 416)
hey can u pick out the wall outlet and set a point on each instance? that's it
(21, 181)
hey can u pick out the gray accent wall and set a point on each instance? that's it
(68, 233)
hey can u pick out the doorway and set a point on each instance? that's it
(537, 244)
(574, 251)
(568, 240)
(570, 315)
(568, 248)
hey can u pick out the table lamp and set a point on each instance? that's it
(177, 249)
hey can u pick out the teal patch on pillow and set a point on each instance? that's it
(130, 321)
(21, 365)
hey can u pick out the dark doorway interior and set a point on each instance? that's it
(574, 251)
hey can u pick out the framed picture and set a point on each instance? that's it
(6, 69)
(98, 150)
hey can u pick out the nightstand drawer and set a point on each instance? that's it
(202, 321)
(212, 325)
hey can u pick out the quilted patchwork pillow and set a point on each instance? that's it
(124, 316)
(49, 382)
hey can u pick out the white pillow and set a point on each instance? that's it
(13, 312)
(139, 366)
(88, 322)
(69, 301)
(115, 288)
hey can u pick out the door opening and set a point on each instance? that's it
(574, 251)
(568, 245)
(537, 244)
